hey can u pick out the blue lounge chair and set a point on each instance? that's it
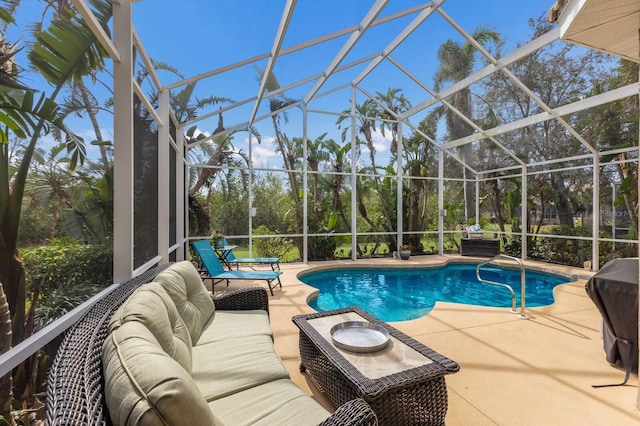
(232, 259)
(216, 273)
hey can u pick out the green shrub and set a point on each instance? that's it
(66, 262)
(513, 246)
(270, 247)
(568, 251)
(72, 273)
(322, 247)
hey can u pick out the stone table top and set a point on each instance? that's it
(394, 358)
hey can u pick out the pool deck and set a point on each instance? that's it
(537, 371)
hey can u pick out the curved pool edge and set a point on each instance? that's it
(572, 274)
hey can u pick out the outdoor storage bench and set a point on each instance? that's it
(160, 350)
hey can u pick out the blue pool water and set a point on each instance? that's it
(405, 294)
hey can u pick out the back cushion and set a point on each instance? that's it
(183, 284)
(153, 309)
(146, 362)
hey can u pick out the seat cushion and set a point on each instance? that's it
(280, 403)
(229, 366)
(233, 324)
(183, 284)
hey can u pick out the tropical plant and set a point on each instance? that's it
(367, 113)
(270, 247)
(338, 160)
(390, 105)
(6, 383)
(385, 109)
(69, 268)
(216, 154)
(418, 156)
(68, 50)
(457, 61)
(290, 151)
(273, 201)
(612, 126)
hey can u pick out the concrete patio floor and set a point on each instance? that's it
(512, 371)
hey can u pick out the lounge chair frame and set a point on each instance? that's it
(211, 268)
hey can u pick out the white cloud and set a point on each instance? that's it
(197, 132)
(380, 143)
(264, 154)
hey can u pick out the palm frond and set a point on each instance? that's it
(69, 49)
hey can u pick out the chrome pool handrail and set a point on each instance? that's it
(513, 294)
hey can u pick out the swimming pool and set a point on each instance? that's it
(405, 294)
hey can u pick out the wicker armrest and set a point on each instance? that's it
(243, 299)
(352, 413)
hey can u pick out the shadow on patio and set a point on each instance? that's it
(512, 371)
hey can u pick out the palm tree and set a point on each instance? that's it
(395, 103)
(219, 153)
(367, 114)
(316, 154)
(366, 124)
(83, 101)
(287, 148)
(457, 61)
(419, 155)
(339, 162)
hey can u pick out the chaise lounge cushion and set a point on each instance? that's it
(236, 364)
(147, 364)
(183, 284)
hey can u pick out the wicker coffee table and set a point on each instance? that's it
(403, 383)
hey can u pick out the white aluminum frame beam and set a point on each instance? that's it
(454, 110)
(297, 47)
(273, 57)
(406, 32)
(613, 95)
(353, 39)
(281, 90)
(123, 254)
(146, 60)
(516, 55)
(516, 81)
(91, 21)
(163, 176)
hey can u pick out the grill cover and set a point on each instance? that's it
(614, 291)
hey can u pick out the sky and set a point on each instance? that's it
(198, 36)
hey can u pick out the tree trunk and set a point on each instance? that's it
(565, 213)
(466, 153)
(93, 116)
(6, 396)
(625, 172)
(496, 206)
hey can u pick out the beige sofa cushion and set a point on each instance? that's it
(230, 366)
(280, 403)
(225, 325)
(153, 308)
(183, 284)
(147, 362)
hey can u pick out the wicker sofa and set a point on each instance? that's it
(160, 350)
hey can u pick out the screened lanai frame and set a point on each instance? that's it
(171, 207)
(172, 245)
